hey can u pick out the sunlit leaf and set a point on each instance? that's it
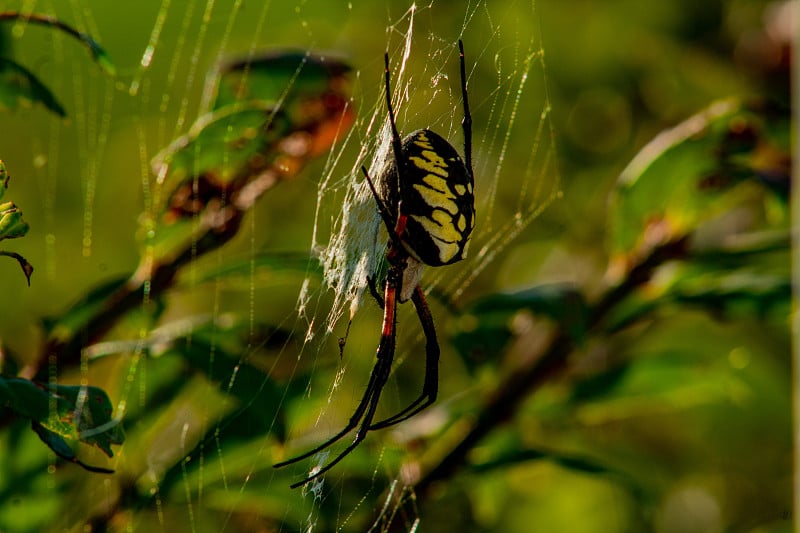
(713, 161)
(748, 279)
(89, 410)
(56, 442)
(279, 76)
(218, 147)
(271, 116)
(12, 225)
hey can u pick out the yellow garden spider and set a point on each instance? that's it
(425, 200)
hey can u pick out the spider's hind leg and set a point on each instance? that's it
(430, 386)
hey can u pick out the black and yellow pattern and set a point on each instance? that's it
(425, 200)
(437, 198)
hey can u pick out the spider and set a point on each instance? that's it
(425, 200)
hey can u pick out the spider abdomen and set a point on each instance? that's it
(436, 193)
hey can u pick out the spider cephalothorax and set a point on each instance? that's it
(425, 199)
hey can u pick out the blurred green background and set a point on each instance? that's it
(691, 433)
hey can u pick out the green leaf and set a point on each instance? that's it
(98, 54)
(87, 410)
(734, 294)
(277, 76)
(201, 176)
(749, 279)
(728, 154)
(219, 145)
(25, 398)
(209, 177)
(517, 455)
(64, 415)
(257, 105)
(19, 87)
(61, 448)
(12, 225)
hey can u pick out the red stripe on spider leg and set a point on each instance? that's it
(389, 308)
(402, 218)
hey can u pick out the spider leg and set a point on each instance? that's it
(366, 409)
(430, 387)
(397, 145)
(466, 122)
(384, 212)
(365, 412)
(374, 291)
(351, 425)
(395, 231)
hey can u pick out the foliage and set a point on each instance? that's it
(12, 226)
(21, 87)
(63, 414)
(649, 393)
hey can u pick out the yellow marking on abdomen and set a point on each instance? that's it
(440, 228)
(435, 198)
(423, 142)
(446, 238)
(437, 184)
(431, 162)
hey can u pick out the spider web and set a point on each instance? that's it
(116, 126)
(514, 105)
(356, 246)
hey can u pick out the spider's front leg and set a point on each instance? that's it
(396, 257)
(373, 290)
